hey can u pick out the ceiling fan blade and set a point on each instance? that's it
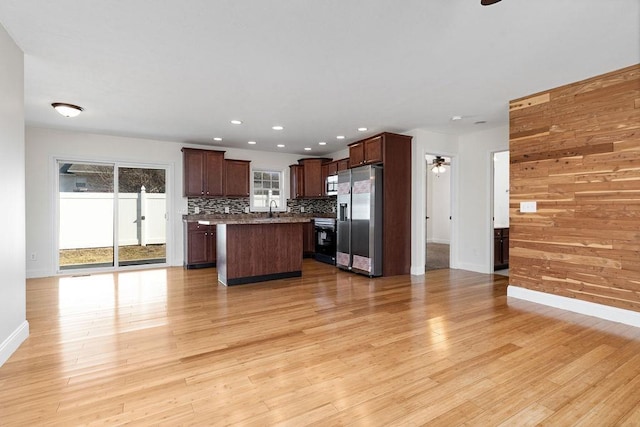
(488, 2)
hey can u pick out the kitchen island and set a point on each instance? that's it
(258, 249)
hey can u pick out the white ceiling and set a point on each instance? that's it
(181, 70)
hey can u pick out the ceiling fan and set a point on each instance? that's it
(488, 2)
(438, 165)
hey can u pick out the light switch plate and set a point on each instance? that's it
(196, 210)
(528, 207)
(302, 209)
(226, 209)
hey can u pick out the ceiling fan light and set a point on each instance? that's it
(67, 110)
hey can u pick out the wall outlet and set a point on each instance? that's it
(226, 209)
(34, 256)
(302, 209)
(528, 207)
(246, 209)
(196, 209)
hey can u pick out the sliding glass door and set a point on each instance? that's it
(110, 215)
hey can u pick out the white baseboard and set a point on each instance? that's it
(588, 308)
(478, 268)
(13, 341)
(34, 274)
(417, 271)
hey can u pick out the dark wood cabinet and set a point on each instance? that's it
(308, 239)
(200, 245)
(500, 248)
(236, 179)
(307, 178)
(343, 164)
(296, 175)
(203, 172)
(369, 151)
(313, 184)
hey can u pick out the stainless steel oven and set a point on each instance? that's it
(325, 234)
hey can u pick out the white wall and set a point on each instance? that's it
(43, 146)
(474, 197)
(14, 328)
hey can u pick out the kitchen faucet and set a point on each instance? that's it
(271, 203)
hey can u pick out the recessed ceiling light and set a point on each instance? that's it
(67, 110)
(340, 137)
(322, 143)
(362, 129)
(280, 145)
(277, 127)
(456, 118)
(307, 148)
(236, 122)
(251, 142)
(217, 138)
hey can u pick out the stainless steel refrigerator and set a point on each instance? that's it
(359, 231)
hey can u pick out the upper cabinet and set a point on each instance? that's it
(208, 174)
(313, 184)
(296, 175)
(343, 164)
(308, 178)
(203, 172)
(236, 178)
(366, 152)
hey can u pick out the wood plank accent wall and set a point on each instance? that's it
(576, 151)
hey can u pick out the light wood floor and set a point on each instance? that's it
(172, 347)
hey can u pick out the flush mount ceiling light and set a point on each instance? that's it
(236, 122)
(307, 148)
(67, 110)
(277, 127)
(251, 142)
(217, 138)
(363, 129)
(280, 145)
(340, 137)
(322, 143)
(488, 2)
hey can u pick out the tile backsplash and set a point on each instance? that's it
(237, 205)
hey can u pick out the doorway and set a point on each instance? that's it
(110, 215)
(438, 220)
(500, 224)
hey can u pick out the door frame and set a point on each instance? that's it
(55, 186)
(453, 241)
(492, 187)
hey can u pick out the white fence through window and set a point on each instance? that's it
(86, 219)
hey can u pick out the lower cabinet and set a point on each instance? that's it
(308, 239)
(199, 245)
(500, 248)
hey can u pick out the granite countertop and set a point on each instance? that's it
(278, 218)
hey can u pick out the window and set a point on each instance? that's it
(267, 187)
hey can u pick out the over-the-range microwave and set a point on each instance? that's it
(332, 185)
